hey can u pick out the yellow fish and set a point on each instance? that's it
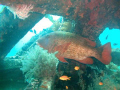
(64, 77)
(77, 68)
(66, 87)
(100, 83)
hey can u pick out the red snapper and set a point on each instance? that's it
(73, 46)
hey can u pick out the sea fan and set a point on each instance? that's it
(38, 63)
(21, 11)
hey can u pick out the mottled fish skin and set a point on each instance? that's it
(70, 45)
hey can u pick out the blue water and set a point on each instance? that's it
(110, 35)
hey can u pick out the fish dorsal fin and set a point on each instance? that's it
(86, 61)
(90, 42)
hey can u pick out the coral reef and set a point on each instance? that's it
(67, 26)
(88, 77)
(114, 71)
(21, 11)
(56, 26)
(42, 71)
(108, 84)
(40, 65)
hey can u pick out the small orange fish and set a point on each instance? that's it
(115, 88)
(66, 87)
(100, 83)
(77, 68)
(64, 77)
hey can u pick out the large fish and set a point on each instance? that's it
(72, 46)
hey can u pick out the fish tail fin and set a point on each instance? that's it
(105, 52)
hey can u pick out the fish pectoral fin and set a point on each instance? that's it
(61, 58)
(86, 61)
(93, 44)
(62, 48)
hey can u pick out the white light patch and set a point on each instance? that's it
(55, 17)
(42, 24)
(1, 8)
(20, 44)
